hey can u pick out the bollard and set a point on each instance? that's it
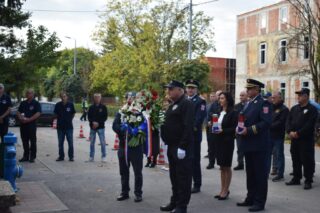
(11, 169)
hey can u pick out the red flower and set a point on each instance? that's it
(154, 95)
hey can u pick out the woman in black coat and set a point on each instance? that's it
(225, 136)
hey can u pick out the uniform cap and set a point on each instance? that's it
(303, 91)
(173, 84)
(254, 83)
(192, 83)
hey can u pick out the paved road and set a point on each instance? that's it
(92, 187)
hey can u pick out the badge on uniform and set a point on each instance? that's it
(265, 110)
(203, 107)
(278, 110)
(4, 101)
(175, 107)
(31, 108)
(255, 101)
(100, 110)
(305, 111)
(68, 109)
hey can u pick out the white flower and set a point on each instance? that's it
(139, 118)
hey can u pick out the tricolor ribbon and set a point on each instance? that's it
(126, 148)
(149, 137)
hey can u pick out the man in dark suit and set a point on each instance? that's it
(200, 114)
(177, 132)
(255, 136)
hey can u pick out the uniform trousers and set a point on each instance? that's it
(197, 176)
(29, 140)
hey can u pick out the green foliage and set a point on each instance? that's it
(140, 40)
(191, 69)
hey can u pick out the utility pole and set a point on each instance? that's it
(190, 31)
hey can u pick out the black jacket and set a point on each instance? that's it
(302, 120)
(177, 130)
(279, 118)
(228, 125)
(98, 113)
(214, 109)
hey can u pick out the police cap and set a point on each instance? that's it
(254, 83)
(192, 83)
(173, 84)
(303, 91)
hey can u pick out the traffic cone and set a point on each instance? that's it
(161, 160)
(54, 124)
(116, 143)
(81, 135)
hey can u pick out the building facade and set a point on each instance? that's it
(263, 53)
(222, 73)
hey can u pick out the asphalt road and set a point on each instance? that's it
(93, 187)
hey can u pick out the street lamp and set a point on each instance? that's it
(74, 55)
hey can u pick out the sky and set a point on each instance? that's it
(80, 26)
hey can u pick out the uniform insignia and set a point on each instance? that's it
(31, 108)
(68, 109)
(255, 101)
(175, 107)
(194, 99)
(305, 111)
(203, 107)
(100, 110)
(278, 110)
(4, 101)
(265, 110)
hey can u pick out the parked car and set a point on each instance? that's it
(46, 118)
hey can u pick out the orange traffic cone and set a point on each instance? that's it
(116, 143)
(81, 135)
(161, 160)
(54, 123)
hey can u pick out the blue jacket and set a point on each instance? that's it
(258, 119)
(200, 112)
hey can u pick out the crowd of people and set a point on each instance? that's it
(257, 125)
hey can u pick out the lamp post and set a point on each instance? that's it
(74, 55)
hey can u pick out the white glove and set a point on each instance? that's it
(181, 154)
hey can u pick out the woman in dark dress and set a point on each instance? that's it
(225, 137)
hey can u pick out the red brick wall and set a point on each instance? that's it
(273, 20)
(241, 29)
(252, 26)
(218, 72)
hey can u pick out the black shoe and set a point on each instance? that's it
(195, 190)
(239, 167)
(71, 159)
(123, 197)
(23, 160)
(207, 156)
(147, 165)
(152, 165)
(179, 210)
(293, 182)
(210, 166)
(31, 160)
(307, 186)
(277, 178)
(273, 173)
(256, 209)
(291, 174)
(167, 208)
(59, 159)
(138, 198)
(225, 197)
(245, 204)
(217, 196)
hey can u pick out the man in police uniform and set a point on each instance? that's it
(177, 132)
(200, 114)
(65, 112)
(28, 112)
(134, 157)
(255, 136)
(5, 108)
(300, 128)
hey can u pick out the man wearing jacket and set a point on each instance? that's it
(300, 127)
(97, 116)
(277, 131)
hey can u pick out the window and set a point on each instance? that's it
(263, 20)
(263, 53)
(283, 51)
(306, 48)
(305, 84)
(283, 90)
(283, 15)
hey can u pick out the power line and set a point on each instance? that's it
(64, 11)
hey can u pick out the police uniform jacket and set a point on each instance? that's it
(279, 118)
(29, 109)
(258, 120)
(302, 120)
(98, 113)
(65, 114)
(200, 112)
(5, 103)
(177, 130)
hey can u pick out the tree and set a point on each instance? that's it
(305, 36)
(141, 39)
